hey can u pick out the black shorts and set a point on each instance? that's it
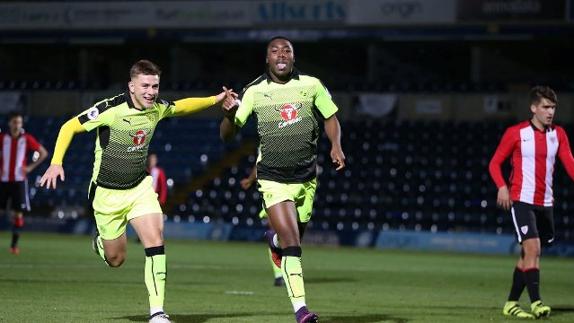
(532, 221)
(15, 195)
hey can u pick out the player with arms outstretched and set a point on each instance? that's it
(121, 189)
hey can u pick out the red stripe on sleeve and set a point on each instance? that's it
(503, 151)
(564, 152)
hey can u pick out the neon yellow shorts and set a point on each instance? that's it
(302, 194)
(114, 208)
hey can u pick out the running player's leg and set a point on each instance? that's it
(281, 206)
(283, 217)
(273, 251)
(150, 232)
(146, 217)
(110, 211)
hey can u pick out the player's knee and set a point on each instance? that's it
(115, 260)
(531, 251)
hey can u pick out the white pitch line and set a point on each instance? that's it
(239, 292)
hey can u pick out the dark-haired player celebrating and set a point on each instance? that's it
(533, 146)
(289, 106)
(121, 189)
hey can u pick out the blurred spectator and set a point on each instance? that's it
(159, 179)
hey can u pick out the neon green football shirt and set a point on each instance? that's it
(287, 124)
(122, 140)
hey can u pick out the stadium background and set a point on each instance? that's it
(425, 91)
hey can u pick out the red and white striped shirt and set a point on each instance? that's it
(14, 155)
(533, 155)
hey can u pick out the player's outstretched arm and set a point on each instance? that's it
(333, 131)
(193, 105)
(67, 132)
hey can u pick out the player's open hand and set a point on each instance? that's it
(503, 198)
(338, 157)
(50, 177)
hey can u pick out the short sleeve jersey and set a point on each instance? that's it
(122, 141)
(287, 124)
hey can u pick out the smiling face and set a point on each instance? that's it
(144, 90)
(280, 59)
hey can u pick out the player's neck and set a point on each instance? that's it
(537, 124)
(15, 133)
(136, 103)
(280, 80)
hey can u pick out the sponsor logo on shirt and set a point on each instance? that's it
(290, 114)
(138, 139)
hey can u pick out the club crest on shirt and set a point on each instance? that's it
(290, 114)
(138, 139)
(93, 113)
(524, 229)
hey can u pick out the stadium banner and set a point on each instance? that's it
(324, 238)
(511, 10)
(11, 101)
(400, 12)
(377, 105)
(124, 15)
(312, 12)
(247, 233)
(446, 241)
(429, 106)
(561, 249)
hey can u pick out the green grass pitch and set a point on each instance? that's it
(57, 278)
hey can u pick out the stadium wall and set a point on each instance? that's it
(459, 242)
(409, 106)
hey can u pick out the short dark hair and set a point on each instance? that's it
(145, 67)
(14, 114)
(279, 37)
(539, 92)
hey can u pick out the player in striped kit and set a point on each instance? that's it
(533, 146)
(16, 145)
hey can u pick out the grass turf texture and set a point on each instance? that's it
(58, 278)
